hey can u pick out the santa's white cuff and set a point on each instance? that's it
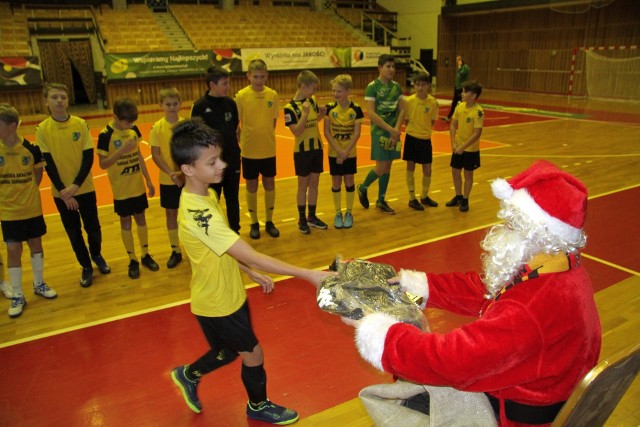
(415, 283)
(370, 337)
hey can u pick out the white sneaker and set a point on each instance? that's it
(44, 291)
(17, 304)
(5, 288)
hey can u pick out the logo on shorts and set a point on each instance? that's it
(201, 219)
(76, 136)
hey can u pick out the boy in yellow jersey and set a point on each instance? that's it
(465, 132)
(218, 296)
(119, 154)
(67, 147)
(171, 179)
(342, 129)
(21, 217)
(258, 113)
(421, 112)
(301, 116)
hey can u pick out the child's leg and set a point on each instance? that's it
(172, 229)
(254, 377)
(89, 212)
(301, 198)
(468, 183)
(384, 168)
(426, 179)
(312, 193)
(411, 167)
(37, 260)
(252, 199)
(127, 237)
(143, 232)
(350, 189)
(269, 185)
(336, 186)
(14, 267)
(73, 227)
(456, 174)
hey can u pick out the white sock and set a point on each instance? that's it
(15, 275)
(37, 265)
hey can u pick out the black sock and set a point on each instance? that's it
(254, 379)
(301, 212)
(312, 211)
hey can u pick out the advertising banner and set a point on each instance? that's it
(300, 58)
(20, 71)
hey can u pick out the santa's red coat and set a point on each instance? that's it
(532, 346)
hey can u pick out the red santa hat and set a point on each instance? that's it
(549, 196)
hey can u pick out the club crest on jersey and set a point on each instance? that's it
(228, 116)
(201, 219)
(26, 160)
(334, 114)
(1, 160)
(76, 136)
(269, 104)
(117, 143)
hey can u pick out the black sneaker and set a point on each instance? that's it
(454, 202)
(87, 277)
(271, 229)
(255, 231)
(315, 222)
(148, 262)
(464, 205)
(174, 259)
(362, 196)
(269, 412)
(188, 388)
(134, 269)
(101, 264)
(415, 204)
(303, 226)
(384, 207)
(428, 201)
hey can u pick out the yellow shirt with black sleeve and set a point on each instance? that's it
(257, 112)
(420, 113)
(19, 193)
(309, 140)
(342, 122)
(160, 136)
(125, 174)
(469, 119)
(65, 143)
(216, 284)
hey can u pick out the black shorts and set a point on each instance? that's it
(131, 206)
(22, 230)
(417, 150)
(253, 168)
(348, 167)
(468, 160)
(307, 162)
(170, 196)
(233, 331)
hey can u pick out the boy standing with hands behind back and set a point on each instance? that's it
(258, 113)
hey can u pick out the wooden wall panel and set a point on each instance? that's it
(26, 101)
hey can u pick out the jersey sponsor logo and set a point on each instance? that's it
(76, 136)
(129, 170)
(201, 219)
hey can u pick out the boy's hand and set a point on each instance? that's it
(394, 134)
(316, 277)
(306, 105)
(71, 203)
(263, 280)
(151, 188)
(459, 150)
(69, 192)
(322, 112)
(128, 146)
(177, 179)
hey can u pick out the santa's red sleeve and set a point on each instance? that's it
(461, 293)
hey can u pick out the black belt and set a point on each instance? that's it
(528, 414)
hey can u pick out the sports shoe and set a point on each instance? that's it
(174, 259)
(5, 288)
(255, 231)
(348, 220)
(338, 221)
(44, 291)
(271, 229)
(134, 269)
(428, 201)
(101, 264)
(362, 196)
(384, 207)
(269, 412)
(415, 204)
(17, 304)
(315, 222)
(303, 226)
(148, 262)
(454, 202)
(464, 205)
(188, 388)
(87, 277)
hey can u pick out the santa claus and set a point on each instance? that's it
(537, 331)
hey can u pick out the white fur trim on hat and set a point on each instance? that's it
(522, 200)
(371, 335)
(415, 283)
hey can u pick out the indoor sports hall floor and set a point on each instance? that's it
(102, 356)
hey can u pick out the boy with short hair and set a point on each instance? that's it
(218, 296)
(258, 111)
(67, 147)
(301, 116)
(342, 129)
(119, 154)
(465, 132)
(171, 178)
(21, 217)
(383, 97)
(220, 112)
(421, 112)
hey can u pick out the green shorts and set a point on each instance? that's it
(379, 149)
